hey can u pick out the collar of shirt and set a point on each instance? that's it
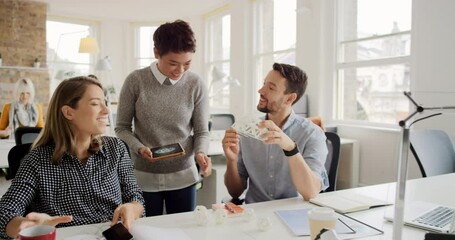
(288, 122)
(101, 152)
(158, 75)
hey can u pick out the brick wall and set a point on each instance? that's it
(22, 39)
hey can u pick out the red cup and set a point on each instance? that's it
(38, 232)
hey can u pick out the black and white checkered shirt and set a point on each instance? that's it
(89, 193)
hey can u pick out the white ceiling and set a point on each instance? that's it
(131, 10)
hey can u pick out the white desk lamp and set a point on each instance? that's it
(403, 163)
(219, 76)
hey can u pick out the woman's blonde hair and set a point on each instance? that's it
(57, 130)
(24, 85)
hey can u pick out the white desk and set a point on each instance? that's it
(5, 146)
(437, 189)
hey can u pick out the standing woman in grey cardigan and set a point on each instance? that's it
(164, 104)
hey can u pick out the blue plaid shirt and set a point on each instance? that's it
(89, 193)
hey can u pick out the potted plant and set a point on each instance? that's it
(36, 64)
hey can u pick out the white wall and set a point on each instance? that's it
(433, 50)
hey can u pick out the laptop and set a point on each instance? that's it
(427, 216)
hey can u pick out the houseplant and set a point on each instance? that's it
(36, 64)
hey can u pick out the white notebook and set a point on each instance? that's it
(348, 203)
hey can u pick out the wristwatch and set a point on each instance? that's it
(292, 152)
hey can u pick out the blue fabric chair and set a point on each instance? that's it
(434, 151)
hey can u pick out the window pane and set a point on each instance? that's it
(218, 45)
(284, 24)
(385, 47)
(219, 34)
(146, 41)
(63, 42)
(276, 25)
(366, 18)
(144, 55)
(374, 94)
(226, 37)
(219, 87)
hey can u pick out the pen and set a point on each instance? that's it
(231, 209)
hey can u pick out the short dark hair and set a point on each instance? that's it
(297, 79)
(175, 37)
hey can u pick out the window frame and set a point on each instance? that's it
(52, 64)
(223, 63)
(338, 104)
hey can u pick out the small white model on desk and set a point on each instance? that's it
(201, 215)
(264, 224)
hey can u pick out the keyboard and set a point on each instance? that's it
(438, 217)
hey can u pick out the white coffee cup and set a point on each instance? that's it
(319, 218)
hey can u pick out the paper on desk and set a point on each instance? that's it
(297, 222)
(143, 232)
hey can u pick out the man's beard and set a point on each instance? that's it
(264, 109)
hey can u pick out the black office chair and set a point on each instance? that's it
(434, 152)
(24, 135)
(221, 121)
(15, 156)
(333, 159)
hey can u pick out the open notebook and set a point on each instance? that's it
(426, 216)
(348, 203)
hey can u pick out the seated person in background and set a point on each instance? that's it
(72, 176)
(291, 158)
(23, 112)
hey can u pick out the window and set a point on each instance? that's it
(217, 58)
(143, 53)
(274, 36)
(64, 59)
(373, 60)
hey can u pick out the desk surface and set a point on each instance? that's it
(5, 146)
(239, 228)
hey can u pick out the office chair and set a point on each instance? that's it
(24, 135)
(434, 152)
(333, 159)
(15, 156)
(221, 121)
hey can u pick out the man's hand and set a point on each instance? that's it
(205, 164)
(275, 135)
(35, 218)
(231, 144)
(127, 213)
